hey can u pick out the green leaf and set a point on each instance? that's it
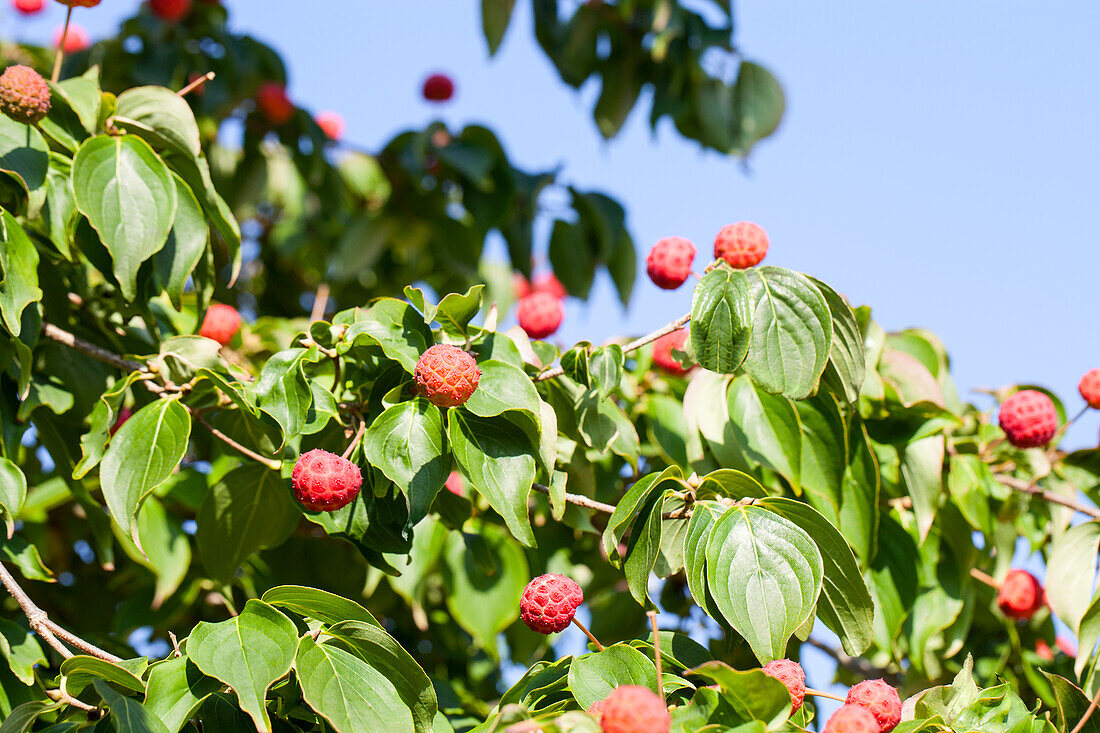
(847, 362)
(283, 392)
(499, 464)
(792, 332)
(24, 556)
(721, 320)
(350, 694)
(128, 716)
(767, 428)
(220, 712)
(637, 502)
(495, 15)
(25, 156)
(622, 84)
(93, 443)
(247, 652)
(186, 243)
(406, 442)
(845, 606)
(321, 605)
(765, 574)
(176, 689)
(141, 456)
(922, 476)
(1072, 705)
(21, 649)
(81, 670)
(752, 694)
(129, 196)
(381, 651)
(22, 718)
(503, 387)
(19, 273)
(164, 547)
(13, 492)
(455, 311)
(572, 258)
(758, 105)
(484, 601)
(247, 510)
(395, 327)
(1073, 557)
(593, 676)
(606, 369)
(84, 96)
(161, 116)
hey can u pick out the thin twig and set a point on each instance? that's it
(320, 303)
(59, 55)
(858, 666)
(1088, 713)
(208, 76)
(62, 336)
(657, 653)
(355, 441)
(1030, 488)
(986, 578)
(579, 500)
(591, 638)
(272, 463)
(64, 697)
(632, 346)
(822, 693)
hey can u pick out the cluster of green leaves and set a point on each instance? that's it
(664, 44)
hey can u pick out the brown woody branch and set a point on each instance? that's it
(272, 463)
(1048, 496)
(62, 336)
(855, 665)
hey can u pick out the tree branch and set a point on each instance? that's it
(579, 500)
(1088, 713)
(1030, 488)
(272, 463)
(62, 336)
(630, 347)
(42, 625)
(855, 665)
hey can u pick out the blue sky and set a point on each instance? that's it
(937, 161)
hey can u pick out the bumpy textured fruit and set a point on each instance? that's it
(549, 602)
(520, 286)
(792, 676)
(446, 375)
(79, 3)
(332, 124)
(540, 314)
(549, 283)
(1029, 419)
(852, 719)
(170, 11)
(75, 41)
(662, 352)
(742, 244)
(28, 7)
(1021, 595)
(455, 484)
(634, 709)
(24, 95)
(438, 88)
(325, 482)
(1090, 388)
(221, 323)
(273, 103)
(879, 699)
(669, 262)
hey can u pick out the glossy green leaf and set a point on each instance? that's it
(247, 652)
(25, 156)
(93, 444)
(165, 549)
(129, 196)
(81, 670)
(767, 428)
(318, 604)
(127, 715)
(395, 327)
(19, 273)
(846, 369)
(1073, 557)
(752, 694)
(186, 242)
(593, 676)
(765, 574)
(722, 320)
(484, 601)
(406, 442)
(160, 116)
(13, 492)
(456, 310)
(922, 476)
(21, 649)
(175, 690)
(22, 718)
(283, 392)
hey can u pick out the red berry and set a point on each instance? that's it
(332, 124)
(879, 699)
(792, 676)
(662, 352)
(273, 103)
(1044, 651)
(851, 719)
(221, 323)
(28, 7)
(123, 415)
(1020, 595)
(24, 94)
(170, 11)
(549, 602)
(520, 286)
(1090, 388)
(742, 244)
(634, 709)
(549, 283)
(540, 314)
(455, 485)
(1029, 419)
(76, 39)
(446, 375)
(325, 482)
(1065, 646)
(669, 262)
(438, 88)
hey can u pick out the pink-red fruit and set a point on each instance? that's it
(549, 602)
(669, 262)
(170, 11)
(455, 484)
(879, 699)
(742, 244)
(325, 482)
(273, 104)
(792, 676)
(24, 94)
(1020, 595)
(221, 323)
(1090, 388)
(549, 283)
(1029, 419)
(123, 415)
(446, 375)
(438, 88)
(634, 709)
(662, 352)
(28, 7)
(332, 124)
(540, 314)
(76, 39)
(852, 719)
